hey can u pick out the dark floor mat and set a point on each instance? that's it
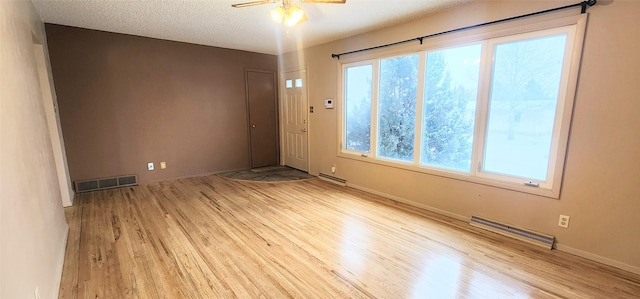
(268, 174)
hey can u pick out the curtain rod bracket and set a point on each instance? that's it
(587, 3)
(420, 39)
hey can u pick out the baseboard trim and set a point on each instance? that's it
(411, 203)
(558, 246)
(146, 182)
(597, 258)
(60, 267)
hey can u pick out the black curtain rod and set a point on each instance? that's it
(583, 5)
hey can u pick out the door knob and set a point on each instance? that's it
(253, 126)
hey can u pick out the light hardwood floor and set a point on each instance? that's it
(212, 237)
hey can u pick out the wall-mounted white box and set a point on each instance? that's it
(328, 104)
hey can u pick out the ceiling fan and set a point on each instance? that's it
(287, 13)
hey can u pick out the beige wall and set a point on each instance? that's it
(127, 100)
(601, 190)
(53, 120)
(33, 228)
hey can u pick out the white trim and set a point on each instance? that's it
(597, 258)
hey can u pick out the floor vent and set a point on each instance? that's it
(332, 179)
(105, 183)
(535, 238)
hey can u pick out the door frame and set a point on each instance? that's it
(281, 97)
(276, 93)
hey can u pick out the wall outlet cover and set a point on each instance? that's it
(150, 166)
(563, 221)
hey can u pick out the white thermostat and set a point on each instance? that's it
(328, 104)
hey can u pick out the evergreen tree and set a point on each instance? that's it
(397, 107)
(358, 125)
(447, 131)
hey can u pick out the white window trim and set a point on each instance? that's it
(569, 79)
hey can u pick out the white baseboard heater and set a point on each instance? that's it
(528, 236)
(105, 183)
(332, 179)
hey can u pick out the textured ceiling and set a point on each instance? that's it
(216, 23)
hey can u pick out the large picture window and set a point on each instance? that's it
(495, 111)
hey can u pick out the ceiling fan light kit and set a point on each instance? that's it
(287, 14)
(290, 15)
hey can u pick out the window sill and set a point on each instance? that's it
(409, 166)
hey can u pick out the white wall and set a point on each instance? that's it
(33, 228)
(601, 189)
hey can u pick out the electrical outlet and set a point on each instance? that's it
(333, 168)
(150, 166)
(163, 165)
(563, 221)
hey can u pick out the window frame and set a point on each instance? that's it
(488, 37)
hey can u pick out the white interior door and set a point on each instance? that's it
(296, 120)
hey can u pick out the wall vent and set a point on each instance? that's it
(535, 238)
(330, 178)
(105, 183)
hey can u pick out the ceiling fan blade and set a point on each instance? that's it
(246, 4)
(326, 1)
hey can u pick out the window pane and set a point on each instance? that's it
(524, 96)
(289, 83)
(299, 82)
(358, 108)
(451, 89)
(397, 107)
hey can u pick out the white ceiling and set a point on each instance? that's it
(216, 23)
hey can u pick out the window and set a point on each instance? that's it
(397, 107)
(450, 93)
(522, 106)
(357, 121)
(495, 111)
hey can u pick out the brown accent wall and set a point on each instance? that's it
(127, 100)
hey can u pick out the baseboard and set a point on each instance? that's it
(597, 258)
(411, 203)
(189, 176)
(60, 267)
(558, 246)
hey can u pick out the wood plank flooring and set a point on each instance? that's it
(212, 237)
